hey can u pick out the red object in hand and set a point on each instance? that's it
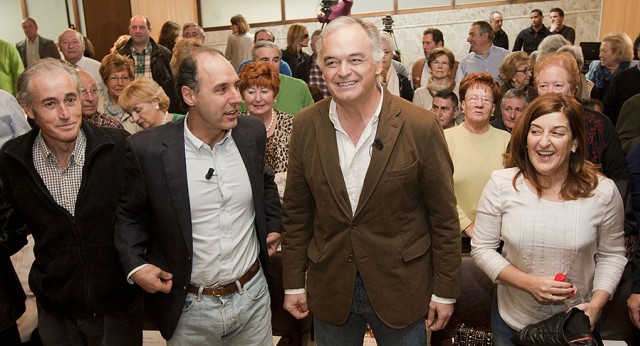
(562, 277)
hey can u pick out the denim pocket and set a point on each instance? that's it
(257, 287)
(189, 302)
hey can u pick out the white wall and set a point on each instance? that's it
(50, 15)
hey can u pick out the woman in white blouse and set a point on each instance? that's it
(555, 214)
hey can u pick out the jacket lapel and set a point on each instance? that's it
(329, 159)
(175, 170)
(389, 125)
(247, 149)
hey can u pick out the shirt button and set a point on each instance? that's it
(350, 258)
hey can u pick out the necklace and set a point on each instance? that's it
(272, 120)
(164, 119)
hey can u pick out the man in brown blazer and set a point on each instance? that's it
(370, 222)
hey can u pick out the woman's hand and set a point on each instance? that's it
(593, 309)
(547, 290)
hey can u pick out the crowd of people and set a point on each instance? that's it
(172, 169)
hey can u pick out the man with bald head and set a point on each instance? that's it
(150, 59)
(200, 214)
(90, 97)
(72, 46)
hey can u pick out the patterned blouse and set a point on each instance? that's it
(277, 151)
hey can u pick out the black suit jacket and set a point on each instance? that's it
(154, 219)
(46, 49)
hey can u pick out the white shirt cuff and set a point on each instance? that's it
(133, 272)
(294, 291)
(440, 300)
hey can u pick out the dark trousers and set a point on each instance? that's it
(118, 328)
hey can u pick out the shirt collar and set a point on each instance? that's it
(333, 110)
(77, 156)
(198, 144)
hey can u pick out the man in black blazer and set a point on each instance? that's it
(46, 47)
(200, 214)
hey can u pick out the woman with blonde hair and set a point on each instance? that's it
(147, 103)
(297, 38)
(240, 42)
(516, 72)
(616, 55)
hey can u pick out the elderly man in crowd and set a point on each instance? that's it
(72, 46)
(512, 105)
(193, 30)
(370, 219)
(90, 97)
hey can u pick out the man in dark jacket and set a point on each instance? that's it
(61, 181)
(150, 59)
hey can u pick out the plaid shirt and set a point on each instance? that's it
(103, 120)
(62, 182)
(142, 61)
(315, 77)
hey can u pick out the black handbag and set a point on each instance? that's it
(570, 327)
(470, 336)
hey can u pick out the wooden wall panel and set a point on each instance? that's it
(105, 22)
(160, 11)
(620, 16)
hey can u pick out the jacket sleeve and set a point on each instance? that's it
(132, 214)
(13, 231)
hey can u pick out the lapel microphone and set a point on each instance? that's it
(209, 174)
(378, 143)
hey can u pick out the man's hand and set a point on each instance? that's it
(633, 304)
(296, 304)
(470, 229)
(439, 315)
(273, 241)
(554, 27)
(153, 279)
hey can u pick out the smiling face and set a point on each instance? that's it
(349, 68)
(478, 41)
(259, 100)
(478, 105)
(607, 58)
(213, 110)
(118, 79)
(549, 145)
(55, 107)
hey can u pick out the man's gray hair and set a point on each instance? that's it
(493, 13)
(47, 67)
(514, 94)
(77, 33)
(264, 44)
(193, 25)
(372, 33)
(485, 28)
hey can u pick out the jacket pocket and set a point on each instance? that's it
(413, 167)
(313, 252)
(417, 249)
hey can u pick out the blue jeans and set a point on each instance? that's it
(352, 332)
(501, 331)
(241, 318)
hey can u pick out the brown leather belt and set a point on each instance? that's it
(225, 290)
